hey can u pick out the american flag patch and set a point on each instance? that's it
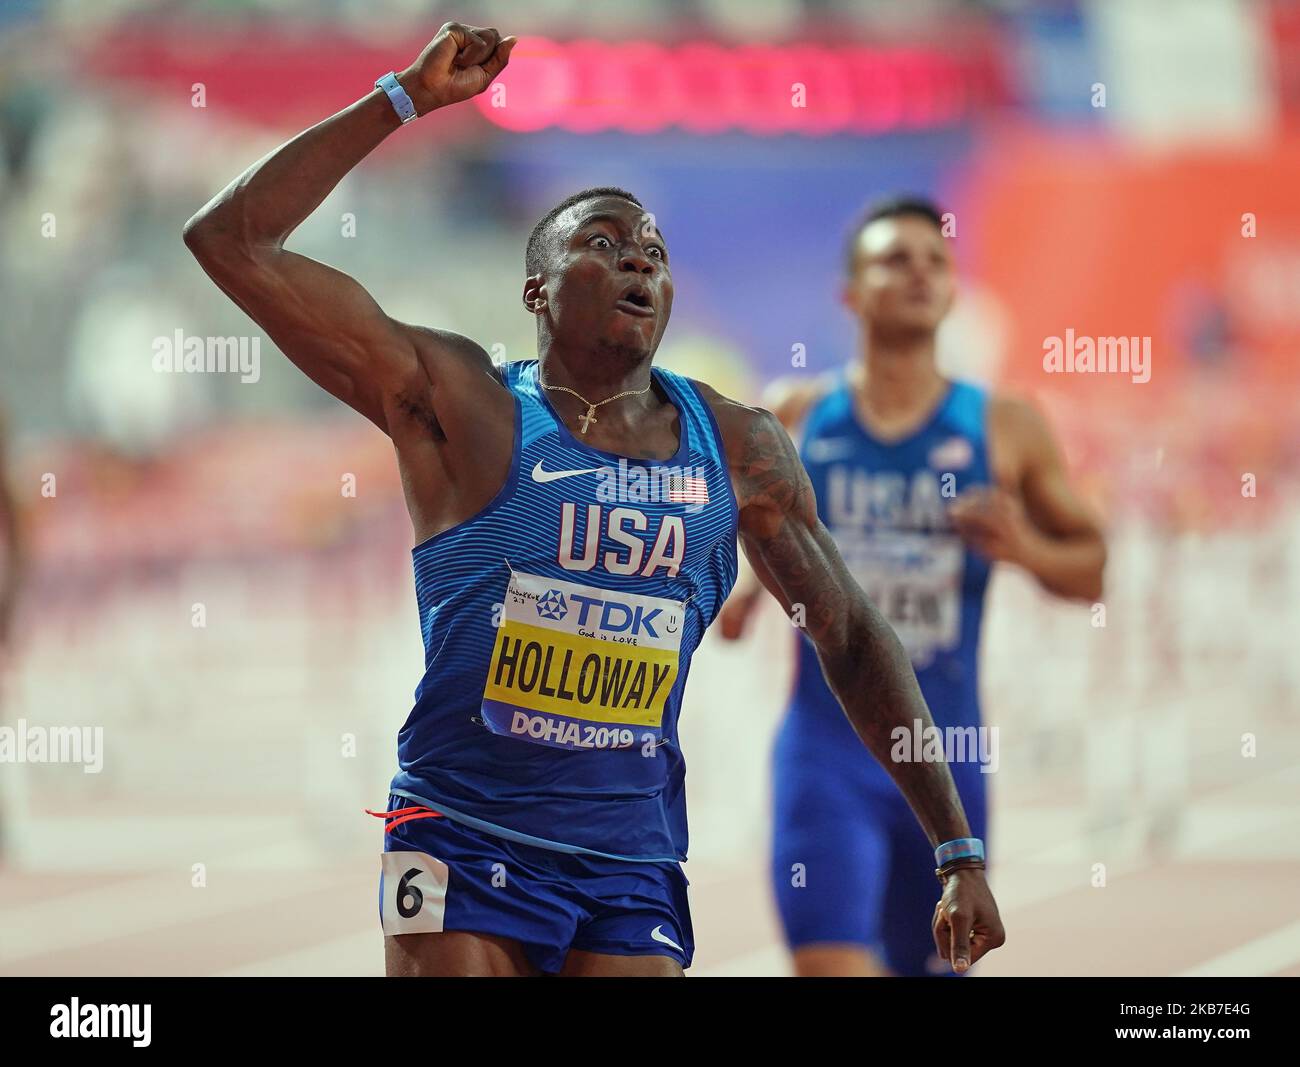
(683, 489)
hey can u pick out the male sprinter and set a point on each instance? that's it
(887, 444)
(576, 518)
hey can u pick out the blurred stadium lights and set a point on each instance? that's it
(641, 87)
(869, 68)
(586, 85)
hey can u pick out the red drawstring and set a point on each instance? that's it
(401, 815)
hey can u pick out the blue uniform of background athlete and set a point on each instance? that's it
(850, 864)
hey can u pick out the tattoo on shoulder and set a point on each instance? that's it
(767, 468)
(766, 472)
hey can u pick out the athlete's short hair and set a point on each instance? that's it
(535, 253)
(890, 207)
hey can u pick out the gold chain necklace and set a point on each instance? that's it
(590, 416)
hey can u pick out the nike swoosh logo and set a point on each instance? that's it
(657, 934)
(540, 475)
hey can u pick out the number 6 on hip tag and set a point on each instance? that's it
(412, 893)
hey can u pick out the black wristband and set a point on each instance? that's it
(965, 863)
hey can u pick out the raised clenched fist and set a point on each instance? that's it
(457, 64)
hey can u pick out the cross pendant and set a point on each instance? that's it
(588, 418)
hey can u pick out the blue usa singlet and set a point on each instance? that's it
(559, 624)
(886, 505)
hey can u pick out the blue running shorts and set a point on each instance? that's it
(439, 874)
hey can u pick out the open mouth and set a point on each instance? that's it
(636, 301)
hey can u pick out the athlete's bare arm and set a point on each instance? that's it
(1033, 517)
(863, 660)
(428, 389)
(789, 399)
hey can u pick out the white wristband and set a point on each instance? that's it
(397, 95)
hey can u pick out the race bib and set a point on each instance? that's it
(581, 668)
(915, 581)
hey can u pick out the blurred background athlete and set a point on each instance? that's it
(923, 482)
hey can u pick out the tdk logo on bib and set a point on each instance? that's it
(613, 616)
